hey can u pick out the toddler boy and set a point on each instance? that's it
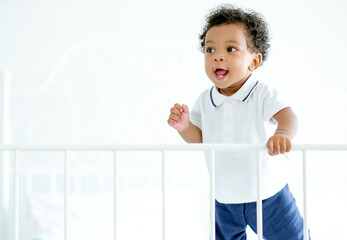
(237, 109)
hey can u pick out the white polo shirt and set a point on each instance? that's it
(241, 118)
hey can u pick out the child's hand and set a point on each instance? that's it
(179, 117)
(279, 143)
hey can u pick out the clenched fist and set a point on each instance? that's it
(279, 144)
(179, 117)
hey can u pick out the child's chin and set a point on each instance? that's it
(220, 85)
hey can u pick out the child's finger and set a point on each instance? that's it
(170, 122)
(174, 117)
(269, 146)
(178, 107)
(276, 148)
(174, 110)
(173, 123)
(185, 108)
(289, 146)
(283, 147)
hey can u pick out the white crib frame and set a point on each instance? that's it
(163, 148)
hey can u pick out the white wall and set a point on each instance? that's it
(108, 71)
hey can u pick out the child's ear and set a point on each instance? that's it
(256, 61)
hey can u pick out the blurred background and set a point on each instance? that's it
(94, 72)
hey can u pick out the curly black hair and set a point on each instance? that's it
(256, 29)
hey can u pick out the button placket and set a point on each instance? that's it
(228, 114)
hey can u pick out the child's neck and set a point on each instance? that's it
(232, 89)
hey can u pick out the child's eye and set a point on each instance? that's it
(209, 50)
(231, 49)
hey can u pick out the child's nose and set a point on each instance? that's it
(219, 58)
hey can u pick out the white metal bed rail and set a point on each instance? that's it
(211, 148)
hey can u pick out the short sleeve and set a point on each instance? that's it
(272, 104)
(195, 113)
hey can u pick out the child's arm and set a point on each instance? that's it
(179, 119)
(286, 130)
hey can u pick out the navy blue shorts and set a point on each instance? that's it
(281, 218)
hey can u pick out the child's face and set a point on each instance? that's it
(228, 61)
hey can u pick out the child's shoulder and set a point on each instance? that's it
(267, 94)
(265, 88)
(206, 93)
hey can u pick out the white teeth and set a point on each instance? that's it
(220, 76)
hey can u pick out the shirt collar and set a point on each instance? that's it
(243, 94)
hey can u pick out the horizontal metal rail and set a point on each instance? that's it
(167, 147)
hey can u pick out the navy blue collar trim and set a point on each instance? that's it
(249, 92)
(212, 98)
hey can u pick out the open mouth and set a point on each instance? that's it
(221, 73)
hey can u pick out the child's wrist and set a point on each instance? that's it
(283, 132)
(183, 129)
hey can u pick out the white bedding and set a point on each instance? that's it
(90, 217)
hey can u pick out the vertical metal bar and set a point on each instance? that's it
(5, 196)
(115, 193)
(163, 172)
(66, 194)
(212, 196)
(5, 137)
(16, 196)
(304, 176)
(259, 198)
